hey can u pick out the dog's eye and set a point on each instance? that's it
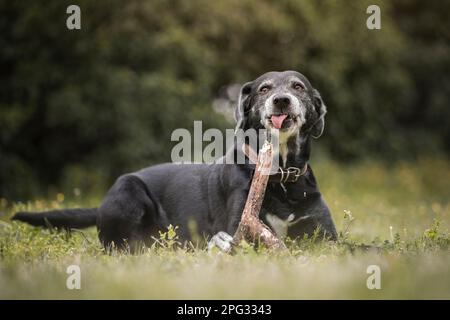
(298, 86)
(264, 89)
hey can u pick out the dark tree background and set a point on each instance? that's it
(81, 107)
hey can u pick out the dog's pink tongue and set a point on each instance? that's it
(277, 121)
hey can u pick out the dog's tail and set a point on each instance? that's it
(66, 218)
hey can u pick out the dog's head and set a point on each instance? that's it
(281, 100)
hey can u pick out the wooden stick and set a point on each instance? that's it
(251, 227)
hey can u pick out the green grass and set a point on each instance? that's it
(395, 217)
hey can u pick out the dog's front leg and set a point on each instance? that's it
(235, 205)
(313, 216)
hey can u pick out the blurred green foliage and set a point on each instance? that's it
(85, 106)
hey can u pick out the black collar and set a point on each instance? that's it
(283, 175)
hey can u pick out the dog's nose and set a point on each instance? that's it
(281, 101)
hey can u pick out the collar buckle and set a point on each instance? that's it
(292, 174)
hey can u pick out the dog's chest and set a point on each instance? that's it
(281, 213)
(278, 225)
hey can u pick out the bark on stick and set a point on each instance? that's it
(251, 227)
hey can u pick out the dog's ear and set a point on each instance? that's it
(321, 109)
(243, 105)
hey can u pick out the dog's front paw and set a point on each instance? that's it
(221, 240)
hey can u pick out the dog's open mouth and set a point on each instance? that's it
(280, 121)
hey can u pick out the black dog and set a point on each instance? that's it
(211, 197)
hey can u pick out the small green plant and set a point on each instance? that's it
(347, 222)
(168, 239)
(433, 237)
